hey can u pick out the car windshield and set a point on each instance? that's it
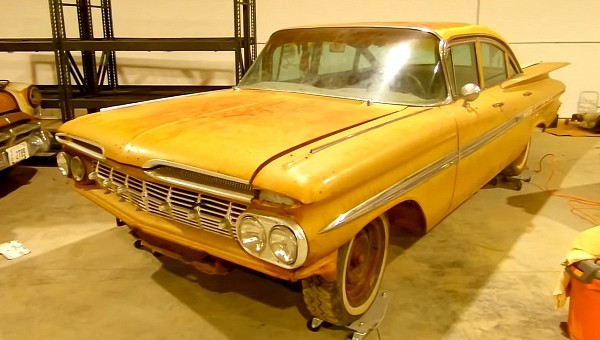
(390, 65)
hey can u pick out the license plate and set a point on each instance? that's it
(17, 153)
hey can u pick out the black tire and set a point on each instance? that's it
(360, 267)
(519, 164)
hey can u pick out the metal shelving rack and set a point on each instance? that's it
(96, 83)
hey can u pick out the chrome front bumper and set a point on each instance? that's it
(22, 142)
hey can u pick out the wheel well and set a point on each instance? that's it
(408, 215)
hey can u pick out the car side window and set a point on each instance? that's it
(464, 65)
(494, 64)
(512, 69)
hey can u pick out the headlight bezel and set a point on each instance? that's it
(269, 221)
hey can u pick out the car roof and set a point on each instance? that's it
(445, 30)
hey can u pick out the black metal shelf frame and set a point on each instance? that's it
(96, 83)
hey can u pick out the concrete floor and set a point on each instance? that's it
(486, 272)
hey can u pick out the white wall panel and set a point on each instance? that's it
(528, 24)
(25, 19)
(276, 14)
(173, 18)
(543, 20)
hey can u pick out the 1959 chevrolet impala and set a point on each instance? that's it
(336, 135)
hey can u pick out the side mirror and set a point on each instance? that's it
(470, 92)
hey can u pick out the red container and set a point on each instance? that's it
(584, 304)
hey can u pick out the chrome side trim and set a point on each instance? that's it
(489, 136)
(424, 174)
(69, 141)
(332, 143)
(394, 191)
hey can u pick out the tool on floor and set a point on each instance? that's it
(587, 114)
(13, 249)
(367, 322)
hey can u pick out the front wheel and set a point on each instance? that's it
(360, 267)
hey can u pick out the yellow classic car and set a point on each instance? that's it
(335, 135)
(21, 135)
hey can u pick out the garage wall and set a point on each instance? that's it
(552, 30)
(538, 30)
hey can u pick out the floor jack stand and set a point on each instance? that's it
(367, 322)
(511, 182)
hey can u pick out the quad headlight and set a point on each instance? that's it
(284, 244)
(70, 166)
(77, 169)
(63, 161)
(274, 239)
(252, 235)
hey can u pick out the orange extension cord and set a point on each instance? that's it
(578, 205)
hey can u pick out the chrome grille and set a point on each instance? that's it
(191, 208)
(16, 133)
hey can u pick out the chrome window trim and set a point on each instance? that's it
(63, 138)
(361, 100)
(476, 39)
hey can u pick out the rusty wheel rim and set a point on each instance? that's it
(364, 262)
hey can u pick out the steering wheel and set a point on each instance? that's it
(408, 83)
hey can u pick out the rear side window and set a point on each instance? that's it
(494, 64)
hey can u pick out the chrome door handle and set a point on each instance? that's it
(497, 105)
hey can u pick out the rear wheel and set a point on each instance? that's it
(361, 263)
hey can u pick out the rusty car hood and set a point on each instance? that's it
(231, 132)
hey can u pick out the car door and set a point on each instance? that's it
(491, 132)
